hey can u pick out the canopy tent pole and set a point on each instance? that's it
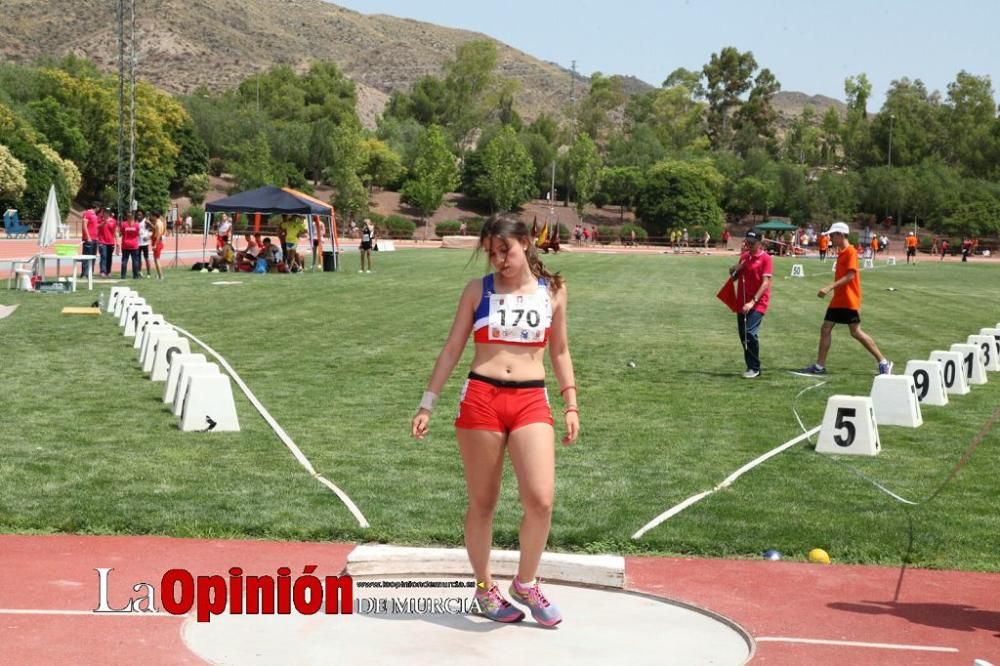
(204, 237)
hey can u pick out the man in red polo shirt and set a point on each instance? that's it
(753, 290)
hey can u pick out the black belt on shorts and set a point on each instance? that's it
(504, 383)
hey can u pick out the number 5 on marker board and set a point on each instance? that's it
(849, 427)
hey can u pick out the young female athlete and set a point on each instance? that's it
(513, 313)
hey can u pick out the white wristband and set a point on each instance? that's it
(427, 402)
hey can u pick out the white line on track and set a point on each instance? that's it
(728, 481)
(881, 646)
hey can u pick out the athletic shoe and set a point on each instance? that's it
(545, 614)
(361, 271)
(810, 371)
(885, 368)
(751, 374)
(493, 605)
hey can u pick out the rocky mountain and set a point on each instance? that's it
(185, 44)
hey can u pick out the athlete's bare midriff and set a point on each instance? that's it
(514, 363)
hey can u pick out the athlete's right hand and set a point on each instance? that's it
(419, 425)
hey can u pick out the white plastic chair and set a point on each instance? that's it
(21, 272)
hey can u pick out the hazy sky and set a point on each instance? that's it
(811, 46)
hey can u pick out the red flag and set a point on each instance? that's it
(728, 296)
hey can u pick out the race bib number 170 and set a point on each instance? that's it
(518, 318)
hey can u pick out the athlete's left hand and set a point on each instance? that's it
(572, 428)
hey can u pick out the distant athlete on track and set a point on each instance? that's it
(514, 313)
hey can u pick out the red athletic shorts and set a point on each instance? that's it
(502, 406)
(157, 249)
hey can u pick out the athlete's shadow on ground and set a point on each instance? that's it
(958, 617)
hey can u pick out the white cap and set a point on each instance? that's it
(838, 228)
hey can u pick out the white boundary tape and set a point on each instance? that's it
(728, 481)
(279, 431)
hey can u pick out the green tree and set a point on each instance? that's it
(469, 78)
(679, 120)
(687, 79)
(585, 167)
(679, 194)
(606, 93)
(755, 121)
(253, 166)
(855, 134)
(729, 76)
(351, 195)
(59, 127)
(915, 119)
(622, 185)
(508, 174)
(433, 174)
(971, 116)
(195, 187)
(753, 195)
(12, 181)
(380, 165)
(639, 147)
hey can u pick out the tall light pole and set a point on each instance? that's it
(892, 117)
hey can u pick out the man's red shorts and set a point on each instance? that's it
(498, 406)
(157, 249)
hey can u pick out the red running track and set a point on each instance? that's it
(797, 613)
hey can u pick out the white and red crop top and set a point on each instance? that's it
(513, 319)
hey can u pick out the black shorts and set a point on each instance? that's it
(843, 316)
(911, 251)
(366, 246)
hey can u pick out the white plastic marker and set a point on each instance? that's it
(728, 481)
(279, 431)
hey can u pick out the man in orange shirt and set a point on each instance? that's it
(824, 243)
(911, 248)
(845, 306)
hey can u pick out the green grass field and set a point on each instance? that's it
(341, 361)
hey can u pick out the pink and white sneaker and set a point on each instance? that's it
(544, 612)
(494, 605)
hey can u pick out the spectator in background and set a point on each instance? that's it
(88, 230)
(944, 248)
(911, 248)
(107, 228)
(823, 243)
(966, 248)
(270, 253)
(223, 234)
(368, 241)
(290, 229)
(159, 230)
(319, 230)
(145, 233)
(130, 246)
(188, 224)
(224, 259)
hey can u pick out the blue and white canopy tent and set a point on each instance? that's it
(271, 200)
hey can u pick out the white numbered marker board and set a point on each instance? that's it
(952, 371)
(849, 427)
(928, 382)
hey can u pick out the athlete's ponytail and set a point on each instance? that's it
(511, 228)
